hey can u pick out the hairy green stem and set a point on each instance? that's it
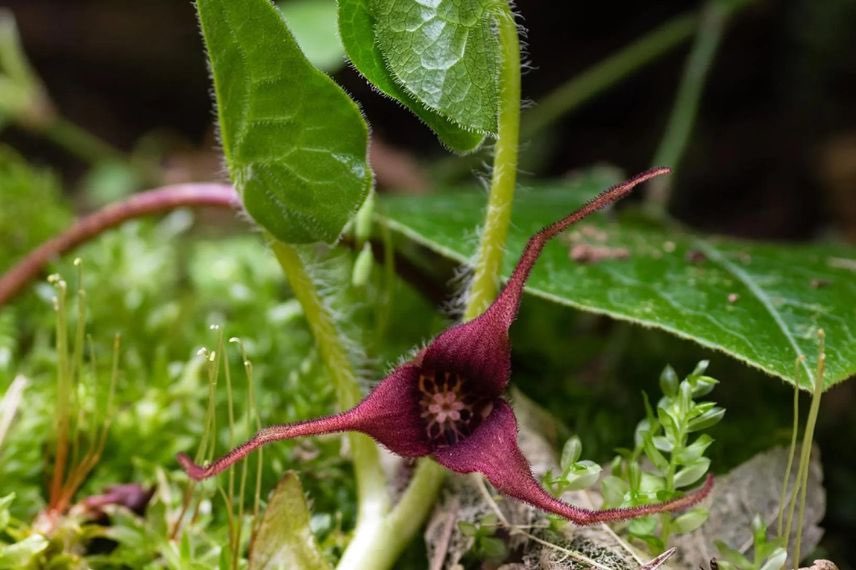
(372, 496)
(484, 285)
(380, 545)
(685, 109)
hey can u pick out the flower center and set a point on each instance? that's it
(451, 412)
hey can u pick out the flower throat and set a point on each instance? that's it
(451, 412)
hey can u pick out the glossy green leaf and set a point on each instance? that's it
(445, 53)
(356, 28)
(315, 27)
(294, 141)
(284, 539)
(761, 303)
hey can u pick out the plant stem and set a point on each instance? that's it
(80, 142)
(791, 452)
(484, 286)
(156, 201)
(808, 436)
(600, 77)
(378, 546)
(685, 109)
(372, 496)
(580, 89)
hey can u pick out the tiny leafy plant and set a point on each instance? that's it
(768, 554)
(668, 456)
(340, 282)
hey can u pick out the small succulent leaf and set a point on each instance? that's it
(657, 458)
(467, 528)
(646, 526)
(776, 560)
(692, 472)
(583, 475)
(703, 386)
(667, 420)
(690, 520)
(613, 489)
(706, 420)
(284, 539)
(571, 452)
(356, 27)
(643, 429)
(700, 369)
(651, 484)
(694, 450)
(295, 143)
(669, 382)
(445, 53)
(315, 28)
(665, 278)
(685, 398)
(663, 443)
(732, 555)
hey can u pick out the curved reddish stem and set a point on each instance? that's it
(141, 204)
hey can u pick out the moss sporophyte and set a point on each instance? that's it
(447, 402)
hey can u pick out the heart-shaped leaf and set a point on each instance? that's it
(294, 141)
(761, 303)
(445, 53)
(356, 28)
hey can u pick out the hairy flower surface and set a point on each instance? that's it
(447, 402)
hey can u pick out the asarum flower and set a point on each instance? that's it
(447, 402)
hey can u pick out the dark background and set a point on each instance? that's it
(775, 136)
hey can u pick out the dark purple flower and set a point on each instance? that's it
(447, 402)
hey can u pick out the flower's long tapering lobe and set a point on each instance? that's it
(492, 451)
(505, 307)
(447, 402)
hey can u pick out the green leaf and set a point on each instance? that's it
(582, 475)
(356, 27)
(706, 420)
(22, 553)
(445, 53)
(645, 526)
(295, 143)
(690, 520)
(760, 303)
(571, 452)
(776, 560)
(693, 451)
(284, 539)
(669, 382)
(314, 25)
(691, 473)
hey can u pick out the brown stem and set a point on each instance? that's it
(141, 204)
